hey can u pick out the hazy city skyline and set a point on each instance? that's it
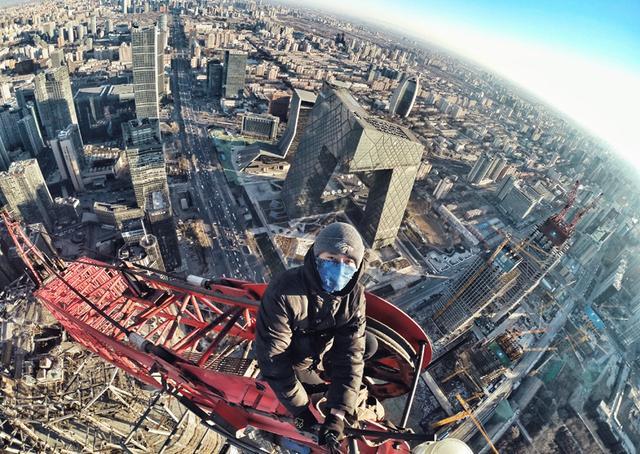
(582, 59)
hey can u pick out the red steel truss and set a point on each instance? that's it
(196, 342)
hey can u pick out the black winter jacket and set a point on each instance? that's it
(299, 323)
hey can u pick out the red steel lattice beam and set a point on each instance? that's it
(173, 317)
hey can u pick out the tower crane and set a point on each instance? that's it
(520, 333)
(539, 368)
(575, 351)
(454, 374)
(571, 199)
(580, 214)
(466, 413)
(189, 337)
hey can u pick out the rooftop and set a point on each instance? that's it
(367, 121)
(21, 166)
(306, 96)
(141, 131)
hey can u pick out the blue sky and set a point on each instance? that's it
(607, 30)
(581, 57)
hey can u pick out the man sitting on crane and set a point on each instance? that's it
(311, 325)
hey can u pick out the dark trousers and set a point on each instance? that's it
(311, 375)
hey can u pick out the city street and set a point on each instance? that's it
(213, 200)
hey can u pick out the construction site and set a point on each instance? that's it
(532, 383)
(502, 341)
(61, 398)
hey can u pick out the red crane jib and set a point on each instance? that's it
(176, 318)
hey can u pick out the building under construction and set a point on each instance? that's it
(499, 280)
(490, 276)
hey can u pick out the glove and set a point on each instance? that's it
(331, 431)
(305, 420)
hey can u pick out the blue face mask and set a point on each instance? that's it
(334, 275)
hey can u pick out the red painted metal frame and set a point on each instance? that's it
(179, 317)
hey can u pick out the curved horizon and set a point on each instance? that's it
(582, 60)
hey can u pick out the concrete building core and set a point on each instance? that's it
(499, 280)
(341, 137)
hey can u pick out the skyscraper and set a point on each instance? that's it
(340, 136)
(49, 29)
(60, 37)
(480, 169)
(69, 155)
(147, 59)
(443, 188)
(55, 100)
(8, 119)
(214, 77)
(506, 186)
(144, 252)
(235, 67)
(616, 295)
(299, 112)
(630, 332)
(70, 35)
(163, 22)
(30, 133)
(5, 161)
(24, 96)
(404, 96)
(162, 42)
(56, 58)
(26, 192)
(498, 164)
(80, 30)
(145, 154)
(93, 25)
(163, 31)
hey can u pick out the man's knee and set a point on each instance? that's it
(370, 346)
